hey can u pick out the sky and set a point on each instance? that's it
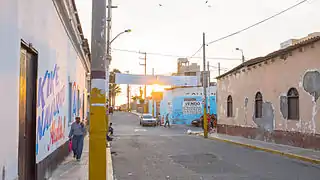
(176, 28)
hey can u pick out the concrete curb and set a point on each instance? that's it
(109, 164)
(290, 155)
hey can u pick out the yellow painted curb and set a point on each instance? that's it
(290, 155)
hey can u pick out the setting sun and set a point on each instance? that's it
(157, 88)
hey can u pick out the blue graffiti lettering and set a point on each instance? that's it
(49, 109)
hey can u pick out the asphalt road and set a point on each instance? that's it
(157, 153)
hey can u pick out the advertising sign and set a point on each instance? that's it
(160, 80)
(190, 106)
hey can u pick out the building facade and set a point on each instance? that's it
(274, 98)
(184, 68)
(186, 104)
(45, 62)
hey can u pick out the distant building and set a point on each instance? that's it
(274, 98)
(184, 104)
(291, 42)
(184, 68)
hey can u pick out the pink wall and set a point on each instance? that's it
(273, 78)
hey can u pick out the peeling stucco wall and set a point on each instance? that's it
(274, 78)
(266, 122)
(311, 83)
(284, 106)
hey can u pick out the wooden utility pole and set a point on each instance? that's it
(208, 67)
(145, 86)
(152, 97)
(205, 81)
(97, 140)
(219, 68)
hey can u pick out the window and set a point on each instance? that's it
(229, 106)
(293, 104)
(147, 117)
(258, 105)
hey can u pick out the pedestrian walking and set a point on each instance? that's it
(167, 121)
(76, 135)
(111, 110)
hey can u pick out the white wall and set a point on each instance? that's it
(9, 81)
(36, 22)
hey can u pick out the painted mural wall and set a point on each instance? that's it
(61, 75)
(185, 104)
(58, 68)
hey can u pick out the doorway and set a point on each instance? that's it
(27, 113)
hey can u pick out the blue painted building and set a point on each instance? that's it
(185, 104)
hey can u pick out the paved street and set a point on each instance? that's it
(157, 153)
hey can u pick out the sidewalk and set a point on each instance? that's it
(135, 113)
(70, 169)
(302, 154)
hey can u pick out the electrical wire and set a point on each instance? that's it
(176, 56)
(222, 68)
(253, 25)
(196, 52)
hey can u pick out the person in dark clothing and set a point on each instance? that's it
(110, 129)
(167, 121)
(76, 135)
(158, 119)
(110, 133)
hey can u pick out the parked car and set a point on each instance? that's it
(147, 119)
(196, 122)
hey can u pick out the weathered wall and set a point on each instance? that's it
(273, 78)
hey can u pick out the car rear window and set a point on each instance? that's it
(147, 117)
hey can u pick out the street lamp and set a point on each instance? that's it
(238, 49)
(125, 31)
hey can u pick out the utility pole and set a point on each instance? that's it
(219, 69)
(128, 95)
(145, 86)
(152, 97)
(205, 81)
(208, 67)
(97, 131)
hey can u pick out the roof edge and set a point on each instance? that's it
(271, 55)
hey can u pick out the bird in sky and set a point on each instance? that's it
(206, 2)
(160, 4)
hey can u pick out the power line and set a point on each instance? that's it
(176, 56)
(216, 67)
(196, 52)
(271, 17)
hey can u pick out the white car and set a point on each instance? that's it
(147, 119)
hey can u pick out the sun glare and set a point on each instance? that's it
(157, 88)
